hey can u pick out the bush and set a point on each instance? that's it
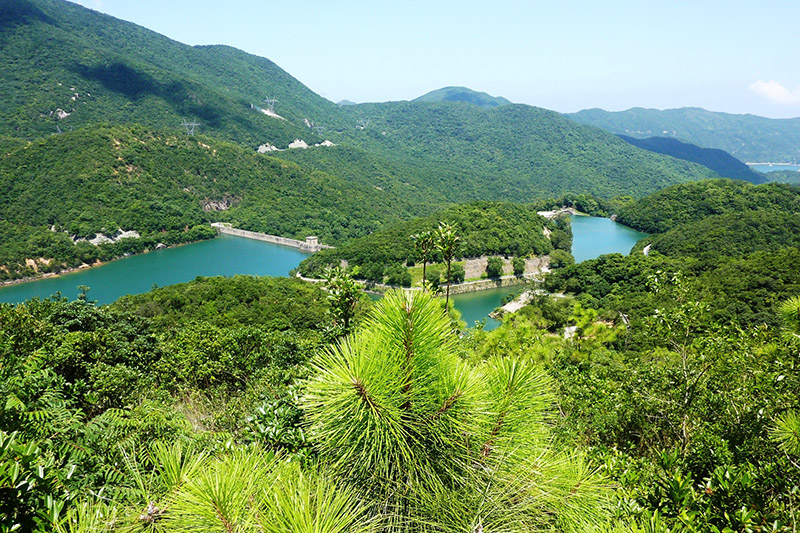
(518, 263)
(373, 272)
(494, 267)
(560, 259)
(457, 273)
(398, 275)
(433, 276)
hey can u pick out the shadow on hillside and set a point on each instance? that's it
(134, 84)
(18, 13)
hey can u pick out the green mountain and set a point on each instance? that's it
(65, 67)
(749, 138)
(512, 152)
(693, 202)
(463, 94)
(161, 184)
(717, 160)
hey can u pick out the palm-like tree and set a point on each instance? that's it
(424, 244)
(447, 242)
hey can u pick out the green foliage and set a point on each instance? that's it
(561, 259)
(433, 277)
(343, 296)
(518, 264)
(485, 228)
(270, 303)
(437, 444)
(457, 273)
(31, 487)
(399, 275)
(693, 202)
(494, 267)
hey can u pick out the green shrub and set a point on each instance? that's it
(494, 267)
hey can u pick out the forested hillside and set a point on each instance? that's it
(484, 228)
(161, 184)
(749, 138)
(65, 67)
(717, 160)
(512, 152)
(693, 202)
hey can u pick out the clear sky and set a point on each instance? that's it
(735, 56)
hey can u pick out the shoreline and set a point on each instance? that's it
(84, 266)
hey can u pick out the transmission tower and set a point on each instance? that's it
(190, 126)
(363, 123)
(270, 103)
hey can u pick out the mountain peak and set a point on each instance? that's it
(463, 94)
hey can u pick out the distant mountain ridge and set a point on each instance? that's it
(463, 94)
(717, 160)
(65, 67)
(749, 138)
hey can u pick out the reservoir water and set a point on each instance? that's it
(222, 256)
(594, 236)
(591, 237)
(227, 256)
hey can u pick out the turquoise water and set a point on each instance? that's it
(772, 168)
(222, 256)
(594, 236)
(476, 306)
(227, 255)
(591, 237)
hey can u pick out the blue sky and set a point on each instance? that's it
(733, 56)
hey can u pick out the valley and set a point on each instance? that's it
(337, 370)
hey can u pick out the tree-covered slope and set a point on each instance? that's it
(512, 152)
(485, 228)
(730, 235)
(463, 94)
(64, 66)
(749, 138)
(693, 202)
(104, 178)
(717, 160)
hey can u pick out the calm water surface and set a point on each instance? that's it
(223, 256)
(594, 236)
(773, 168)
(227, 256)
(591, 237)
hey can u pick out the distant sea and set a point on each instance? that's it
(761, 167)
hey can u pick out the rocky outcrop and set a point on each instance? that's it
(217, 205)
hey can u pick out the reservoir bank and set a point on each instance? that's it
(228, 255)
